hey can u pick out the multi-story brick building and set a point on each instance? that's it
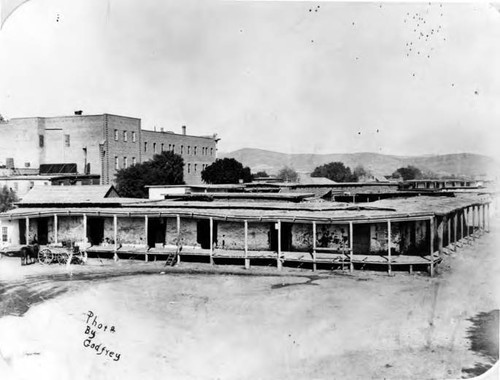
(99, 144)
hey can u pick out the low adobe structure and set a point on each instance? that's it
(393, 233)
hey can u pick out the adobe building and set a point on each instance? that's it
(410, 234)
(98, 144)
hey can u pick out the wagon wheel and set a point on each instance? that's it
(45, 256)
(62, 258)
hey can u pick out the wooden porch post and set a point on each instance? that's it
(211, 240)
(55, 229)
(146, 227)
(461, 215)
(455, 220)
(178, 239)
(351, 247)
(279, 245)
(115, 236)
(473, 220)
(483, 209)
(440, 236)
(85, 238)
(448, 225)
(488, 217)
(314, 245)
(389, 245)
(431, 238)
(247, 260)
(27, 232)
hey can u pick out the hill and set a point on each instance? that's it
(465, 164)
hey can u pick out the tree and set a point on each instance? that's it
(226, 171)
(408, 173)
(261, 174)
(164, 169)
(288, 174)
(360, 173)
(336, 171)
(7, 199)
(2, 120)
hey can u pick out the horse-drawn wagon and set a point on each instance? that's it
(60, 254)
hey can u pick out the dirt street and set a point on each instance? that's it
(188, 323)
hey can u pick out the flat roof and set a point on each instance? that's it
(326, 212)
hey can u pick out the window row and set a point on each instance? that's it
(125, 135)
(193, 168)
(158, 148)
(124, 162)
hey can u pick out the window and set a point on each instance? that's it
(40, 141)
(125, 137)
(117, 164)
(125, 162)
(133, 161)
(27, 164)
(145, 146)
(169, 147)
(182, 149)
(154, 147)
(173, 148)
(189, 168)
(116, 134)
(67, 141)
(133, 137)
(189, 149)
(211, 151)
(5, 234)
(194, 150)
(162, 147)
(195, 167)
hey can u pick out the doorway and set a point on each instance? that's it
(203, 233)
(43, 231)
(156, 231)
(361, 239)
(286, 237)
(95, 230)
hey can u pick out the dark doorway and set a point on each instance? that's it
(286, 237)
(156, 231)
(203, 233)
(22, 231)
(95, 230)
(43, 231)
(361, 239)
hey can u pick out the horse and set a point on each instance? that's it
(29, 254)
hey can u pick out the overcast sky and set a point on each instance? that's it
(297, 77)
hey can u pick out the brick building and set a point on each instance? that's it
(98, 144)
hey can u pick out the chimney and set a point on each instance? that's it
(78, 113)
(161, 129)
(183, 129)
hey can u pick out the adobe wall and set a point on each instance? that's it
(131, 231)
(69, 228)
(333, 236)
(188, 232)
(231, 235)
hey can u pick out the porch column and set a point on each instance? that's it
(389, 245)
(455, 221)
(314, 245)
(146, 223)
(473, 220)
(211, 240)
(351, 247)
(247, 261)
(27, 232)
(448, 224)
(178, 239)
(488, 217)
(279, 245)
(461, 215)
(115, 236)
(55, 229)
(431, 238)
(440, 236)
(483, 209)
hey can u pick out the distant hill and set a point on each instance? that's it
(466, 164)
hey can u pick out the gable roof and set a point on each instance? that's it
(70, 194)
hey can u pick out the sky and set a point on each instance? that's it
(293, 77)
